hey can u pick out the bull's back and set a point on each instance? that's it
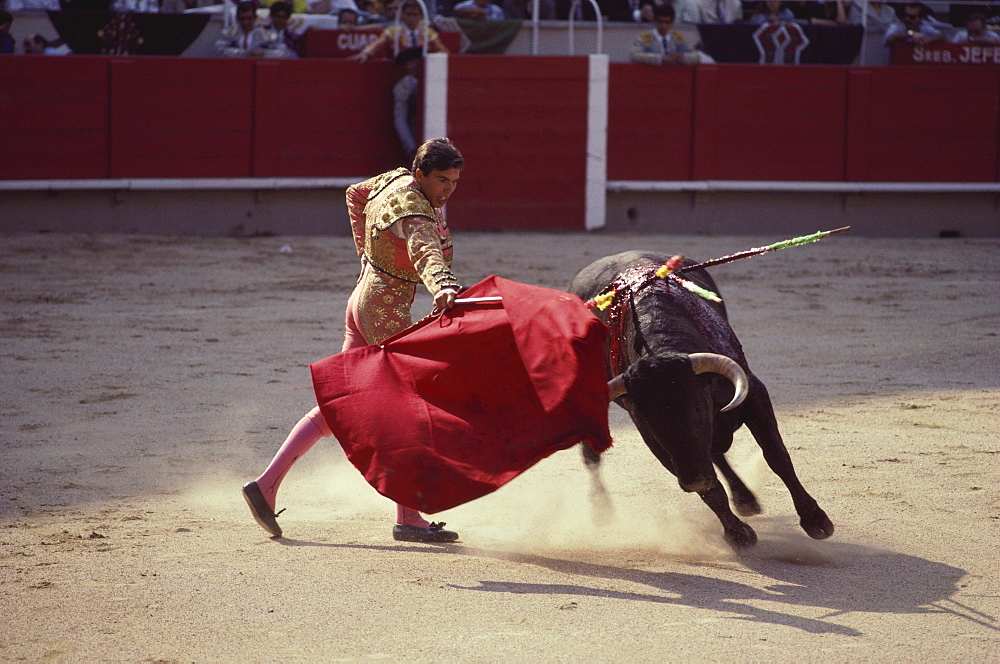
(596, 277)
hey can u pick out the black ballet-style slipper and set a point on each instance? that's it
(433, 533)
(261, 511)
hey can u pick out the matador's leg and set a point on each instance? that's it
(300, 440)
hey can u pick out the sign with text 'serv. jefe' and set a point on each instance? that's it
(946, 54)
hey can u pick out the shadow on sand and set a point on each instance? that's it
(849, 578)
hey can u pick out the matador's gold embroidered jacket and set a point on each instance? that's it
(402, 241)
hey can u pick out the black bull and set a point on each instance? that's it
(656, 326)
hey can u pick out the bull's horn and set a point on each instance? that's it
(720, 364)
(617, 386)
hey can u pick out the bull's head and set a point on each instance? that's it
(672, 406)
(703, 363)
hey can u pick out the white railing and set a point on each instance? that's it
(572, 19)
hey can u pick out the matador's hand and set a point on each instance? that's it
(445, 299)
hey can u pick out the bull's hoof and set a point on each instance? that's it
(748, 508)
(817, 526)
(741, 536)
(697, 484)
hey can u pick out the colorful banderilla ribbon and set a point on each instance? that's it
(784, 244)
(673, 268)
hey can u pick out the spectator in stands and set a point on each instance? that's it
(347, 19)
(247, 39)
(645, 11)
(880, 14)
(411, 32)
(482, 10)
(282, 43)
(975, 32)
(522, 9)
(771, 11)
(663, 45)
(685, 11)
(389, 11)
(32, 5)
(404, 99)
(136, 6)
(913, 29)
(719, 11)
(6, 41)
(35, 44)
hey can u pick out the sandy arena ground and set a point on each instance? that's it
(146, 378)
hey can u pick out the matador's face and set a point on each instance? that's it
(438, 186)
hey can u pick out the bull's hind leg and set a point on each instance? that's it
(759, 418)
(600, 499)
(743, 498)
(738, 534)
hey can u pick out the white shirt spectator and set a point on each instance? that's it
(137, 6)
(987, 37)
(719, 11)
(15, 6)
(880, 15)
(686, 11)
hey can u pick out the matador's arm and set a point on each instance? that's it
(424, 248)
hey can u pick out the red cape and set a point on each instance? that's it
(458, 405)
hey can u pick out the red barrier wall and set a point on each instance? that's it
(769, 123)
(93, 117)
(173, 117)
(521, 124)
(324, 118)
(649, 122)
(923, 124)
(53, 117)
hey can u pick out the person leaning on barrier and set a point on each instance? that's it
(409, 33)
(663, 45)
(975, 32)
(913, 29)
(35, 44)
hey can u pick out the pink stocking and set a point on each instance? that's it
(300, 440)
(407, 517)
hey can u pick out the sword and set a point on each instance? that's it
(472, 300)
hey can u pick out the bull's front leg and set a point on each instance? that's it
(738, 534)
(759, 418)
(743, 498)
